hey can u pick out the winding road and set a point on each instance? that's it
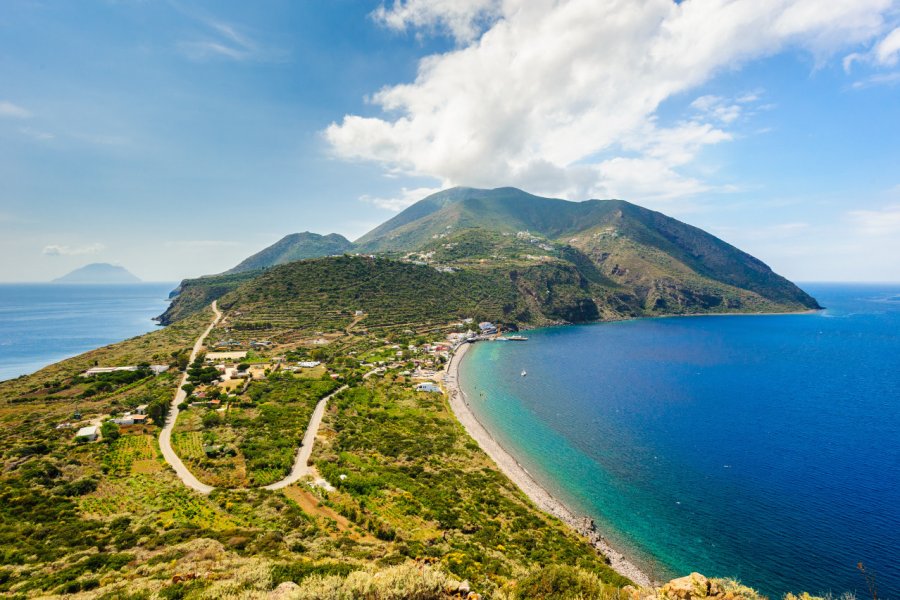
(165, 436)
(300, 468)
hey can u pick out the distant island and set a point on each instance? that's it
(98, 273)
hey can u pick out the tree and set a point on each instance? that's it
(157, 410)
(188, 388)
(211, 419)
(110, 431)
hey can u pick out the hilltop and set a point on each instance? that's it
(552, 260)
(295, 246)
(98, 273)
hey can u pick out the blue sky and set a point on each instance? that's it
(176, 138)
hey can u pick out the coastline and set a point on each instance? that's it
(524, 481)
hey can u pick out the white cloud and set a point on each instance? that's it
(888, 50)
(464, 19)
(60, 250)
(879, 222)
(407, 197)
(884, 53)
(13, 111)
(222, 40)
(561, 96)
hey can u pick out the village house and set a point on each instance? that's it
(157, 370)
(88, 434)
(216, 356)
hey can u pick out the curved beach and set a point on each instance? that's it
(517, 473)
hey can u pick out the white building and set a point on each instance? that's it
(428, 387)
(89, 433)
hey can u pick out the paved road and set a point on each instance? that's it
(165, 436)
(301, 469)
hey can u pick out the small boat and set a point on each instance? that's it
(517, 338)
(524, 373)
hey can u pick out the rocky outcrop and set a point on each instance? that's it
(694, 587)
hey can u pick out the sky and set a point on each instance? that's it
(176, 138)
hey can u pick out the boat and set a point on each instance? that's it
(524, 373)
(517, 338)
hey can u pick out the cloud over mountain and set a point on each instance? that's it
(563, 97)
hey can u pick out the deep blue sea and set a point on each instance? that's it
(765, 448)
(43, 323)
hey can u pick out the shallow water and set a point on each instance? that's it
(759, 447)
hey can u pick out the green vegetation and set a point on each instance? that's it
(507, 256)
(409, 505)
(295, 246)
(253, 439)
(407, 472)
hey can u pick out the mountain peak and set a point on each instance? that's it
(98, 273)
(295, 246)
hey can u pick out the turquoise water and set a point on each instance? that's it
(765, 448)
(43, 323)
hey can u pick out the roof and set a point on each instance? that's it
(87, 431)
(226, 355)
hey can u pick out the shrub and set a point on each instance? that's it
(211, 419)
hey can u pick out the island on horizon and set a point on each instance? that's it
(98, 273)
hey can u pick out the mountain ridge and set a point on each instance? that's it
(631, 261)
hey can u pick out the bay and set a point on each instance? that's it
(764, 448)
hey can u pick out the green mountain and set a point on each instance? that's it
(295, 246)
(659, 259)
(98, 273)
(503, 255)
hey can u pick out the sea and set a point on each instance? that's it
(41, 324)
(764, 448)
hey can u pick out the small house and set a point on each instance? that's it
(140, 409)
(88, 434)
(428, 387)
(124, 420)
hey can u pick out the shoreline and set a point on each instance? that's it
(523, 479)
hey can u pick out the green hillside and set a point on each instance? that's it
(295, 246)
(537, 260)
(324, 295)
(637, 247)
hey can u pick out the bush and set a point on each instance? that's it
(211, 419)
(560, 583)
(110, 431)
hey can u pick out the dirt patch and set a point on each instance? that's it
(311, 506)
